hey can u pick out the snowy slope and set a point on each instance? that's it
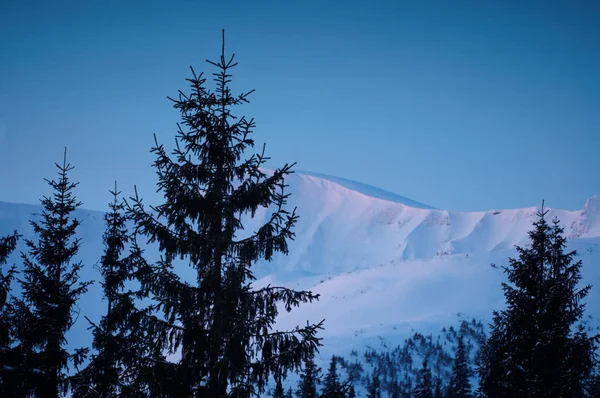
(343, 230)
(384, 264)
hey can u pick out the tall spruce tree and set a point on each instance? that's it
(220, 324)
(424, 385)
(533, 350)
(50, 289)
(118, 341)
(309, 378)
(7, 357)
(460, 387)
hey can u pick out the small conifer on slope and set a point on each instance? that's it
(424, 386)
(332, 387)
(460, 387)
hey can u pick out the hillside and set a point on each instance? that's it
(385, 266)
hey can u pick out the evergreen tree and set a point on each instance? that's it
(374, 386)
(7, 245)
(50, 290)
(424, 386)
(394, 388)
(309, 378)
(117, 341)
(438, 391)
(7, 357)
(460, 386)
(593, 386)
(351, 392)
(289, 393)
(220, 324)
(279, 393)
(332, 387)
(532, 350)
(406, 387)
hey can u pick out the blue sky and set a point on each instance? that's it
(464, 105)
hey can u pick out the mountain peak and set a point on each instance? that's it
(366, 189)
(593, 204)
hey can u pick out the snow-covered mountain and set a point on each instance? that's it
(385, 265)
(346, 226)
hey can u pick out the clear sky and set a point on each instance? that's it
(464, 105)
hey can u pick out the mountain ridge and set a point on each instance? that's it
(383, 268)
(341, 229)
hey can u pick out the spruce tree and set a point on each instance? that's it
(394, 388)
(460, 386)
(406, 386)
(289, 393)
(118, 342)
(50, 290)
(374, 386)
(532, 350)
(309, 378)
(332, 387)
(220, 324)
(424, 386)
(279, 393)
(7, 356)
(438, 391)
(351, 392)
(7, 245)
(593, 385)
